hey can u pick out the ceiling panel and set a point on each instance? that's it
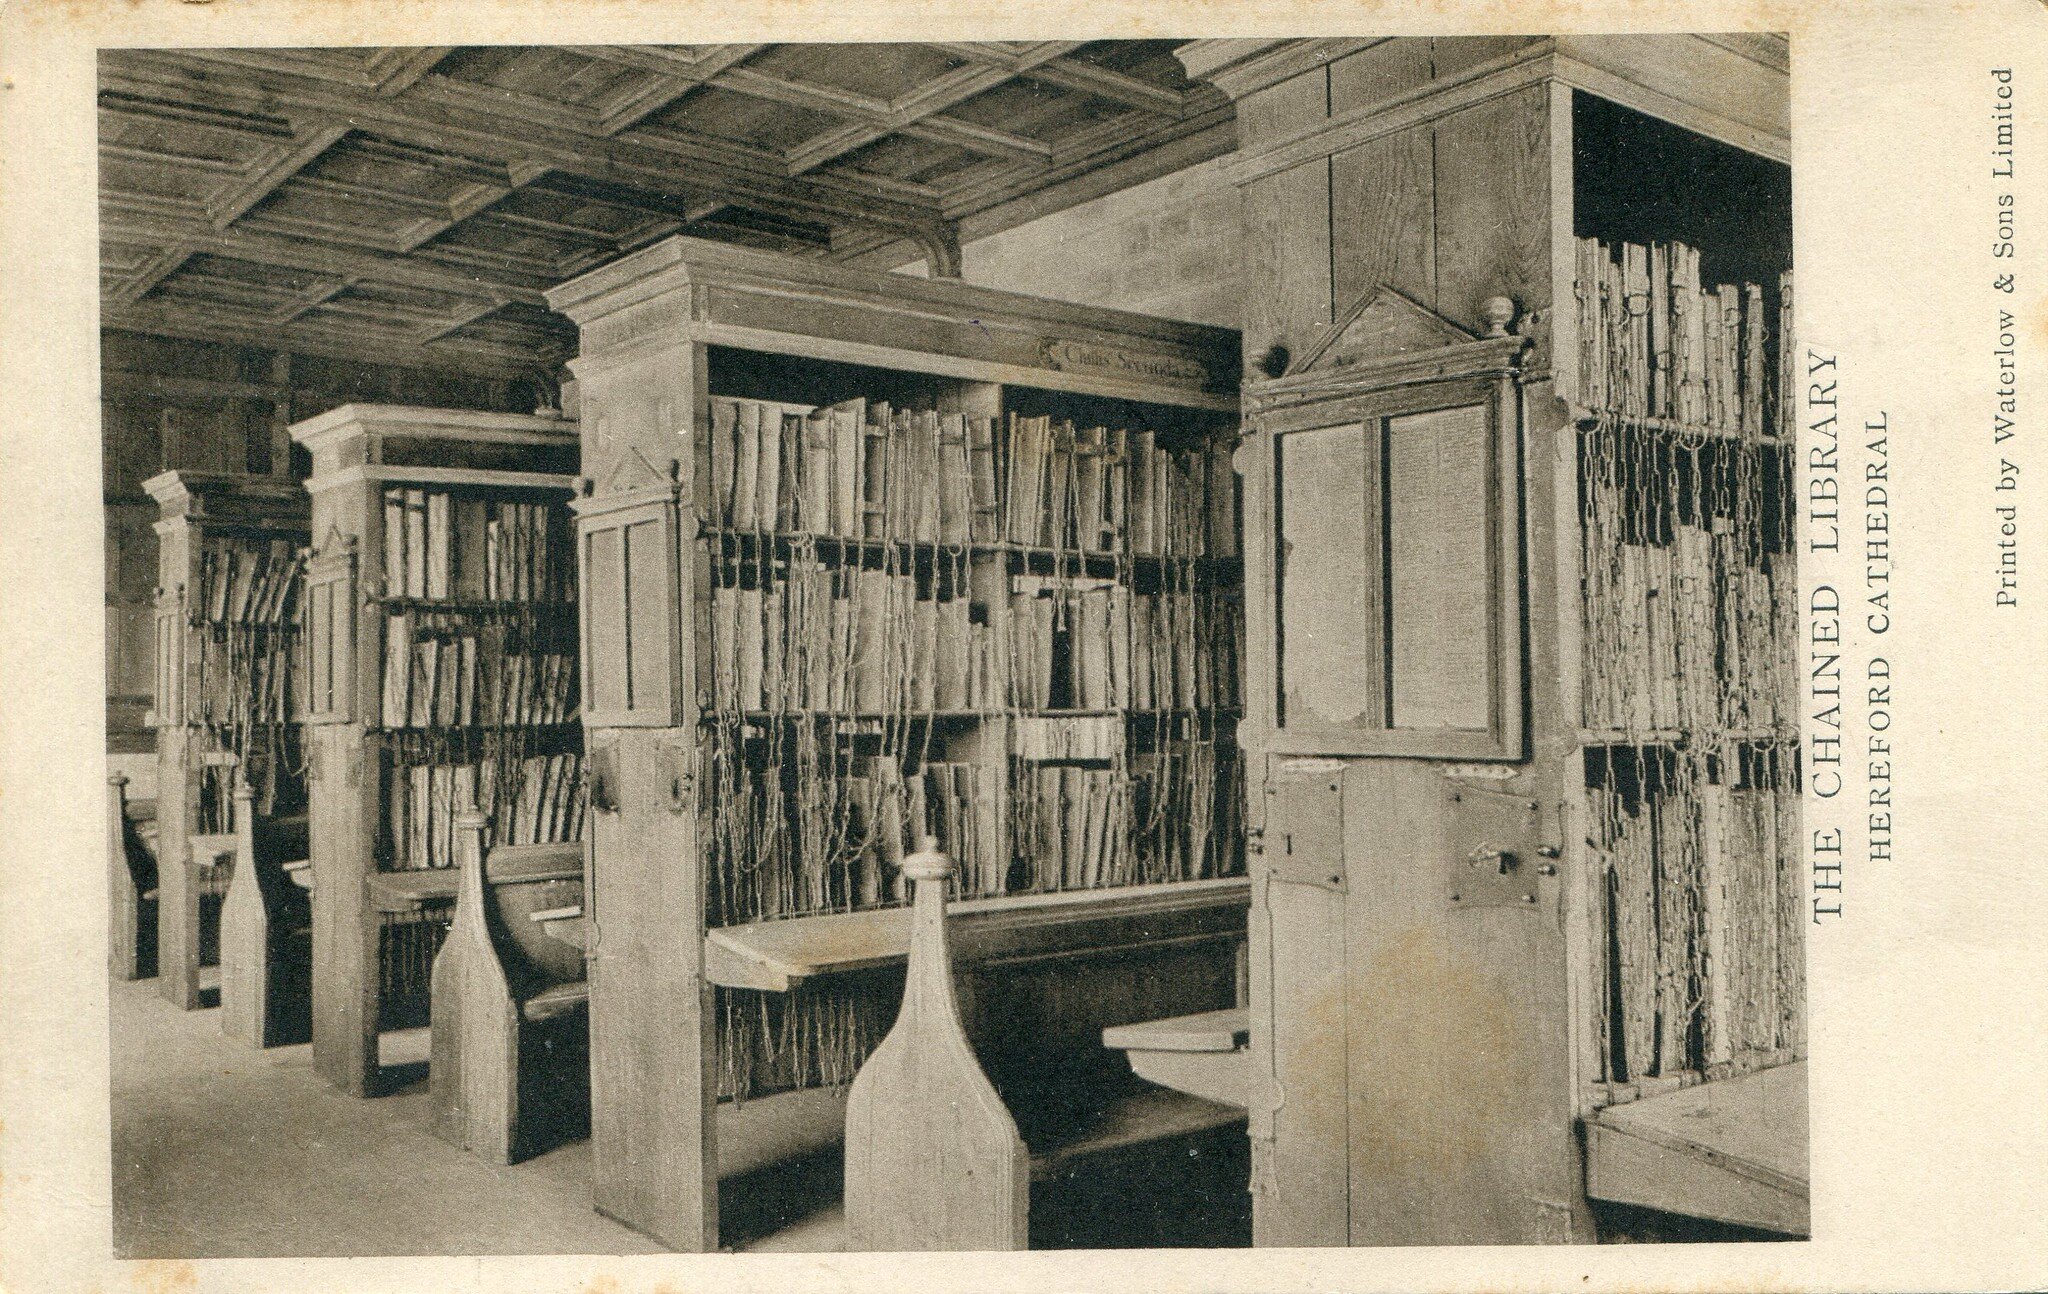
(419, 199)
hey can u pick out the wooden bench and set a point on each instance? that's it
(266, 932)
(131, 883)
(510, 1061)
(936, 1157)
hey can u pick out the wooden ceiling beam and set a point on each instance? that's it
(925, 123)
(979, 139)
(376, 195)
(473, 200)
(453, 324)
(165, 263)
(670, 78)
(943, 92)
(179, 161)
(394, 71)
(421, 118)
(446, 355)
(553, 228)
(287, 253)
(311, 299)
(244, 119)
(1073, 74)
(935, 96)
(275, 169)
(1097, 146)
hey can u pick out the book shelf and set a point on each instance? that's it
(1689, 615)
(864, 557)
(440, 673)
(1678, 590)
(1685, 605)
(227, 605)
(1478, 545)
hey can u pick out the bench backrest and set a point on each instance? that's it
(131, 829)
(520, 880)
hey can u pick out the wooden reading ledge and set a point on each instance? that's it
(1733, 1150)
(778, 955)
(1207, 1055)
(411, 891)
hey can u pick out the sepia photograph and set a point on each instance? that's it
(987, 645)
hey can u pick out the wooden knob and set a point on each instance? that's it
(929, 863)
(1498, 312)
(243, 791)
(471, 819)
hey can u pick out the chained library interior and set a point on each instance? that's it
(952, 646)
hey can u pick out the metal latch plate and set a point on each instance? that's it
(1303, 841)
(1491, 841)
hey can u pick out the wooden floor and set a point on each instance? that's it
(224, 1152)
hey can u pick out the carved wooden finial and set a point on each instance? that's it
(1498, 313)
(929, 863)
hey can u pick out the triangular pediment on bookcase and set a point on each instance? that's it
(633, 472)
(1382, 322)
(333, 544)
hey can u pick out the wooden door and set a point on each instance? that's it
(1407, 974)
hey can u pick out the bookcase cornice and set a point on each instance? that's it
(713, 294)
(202, 496)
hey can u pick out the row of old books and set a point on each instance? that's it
(1685, 637)
(852, 471)
(1074, 827)
(780, 847)
(1107, 490)
(1655, 342)
(1169, 815)
(247, 582)
(862, 470)
(435, 676)
(1086, 644)
(537, 799)
(861, 640)
(445, 545)
(240, 677)
(1704, 917)
(848, 640)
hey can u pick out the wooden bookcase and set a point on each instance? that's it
(1428, 927)
(788, 650)
(227, 598)
(441, 645)
(1686, 627)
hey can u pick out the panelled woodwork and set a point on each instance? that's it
(410, 205)
(363, 888)
(198, 512)
(173, 404)
(658, 329)
(1439, 170)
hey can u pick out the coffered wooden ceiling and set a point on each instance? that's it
(410, 205)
